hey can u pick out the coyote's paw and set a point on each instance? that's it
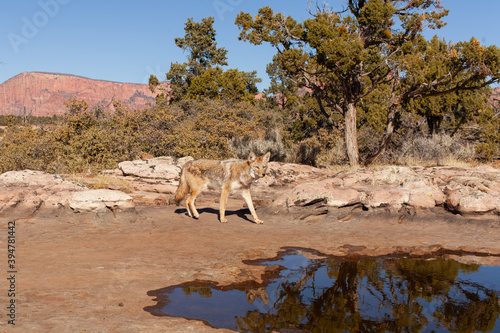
(223, 220)
(259, 221)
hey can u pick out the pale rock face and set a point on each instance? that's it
(23, 193)
(152, 168)
(466, 200)
(27, 190)
(100, 201)
(386, 197)
(423, 194)
(459, 190)
(29, 178)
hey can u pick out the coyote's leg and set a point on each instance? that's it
(187, 206)
(248, 199)
(192, 212)
(223, 201)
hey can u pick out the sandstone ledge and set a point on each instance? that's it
(464, 191)
(75, 274)
(287, 188)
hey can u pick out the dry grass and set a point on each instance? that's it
(95, 182)
(431, 151)
(272, 142)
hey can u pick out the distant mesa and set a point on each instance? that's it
(45, 94)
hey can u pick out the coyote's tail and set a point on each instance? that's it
(183, 188)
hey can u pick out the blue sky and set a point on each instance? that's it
(128, 40)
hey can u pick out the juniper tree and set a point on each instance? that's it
(199, 41)
(202, 75)
(345, 55)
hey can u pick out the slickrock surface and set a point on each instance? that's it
(87, 264)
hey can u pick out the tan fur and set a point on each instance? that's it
(261, 293)
(227, 175)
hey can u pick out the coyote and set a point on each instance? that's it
(227, 175)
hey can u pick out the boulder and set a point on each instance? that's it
(423, 194)
(464, 200)
(283, 174)
(26, 193)
(395, 175)
(352, 178)
(156, 175)
(158, 168)
(326, 191)
(385, 196)
(183, 160)
(20, 198)
(23, 193)
(101, 201)
(26, 178)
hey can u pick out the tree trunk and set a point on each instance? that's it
(351, 135)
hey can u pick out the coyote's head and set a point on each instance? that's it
(258, 165)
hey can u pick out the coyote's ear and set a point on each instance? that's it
(266, 157)
(252, 157)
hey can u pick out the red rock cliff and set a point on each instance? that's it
(44, 94)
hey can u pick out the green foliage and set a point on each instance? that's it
(488, 120)
(199, 41)
(363, 79)
(10, 120)
(211, 124)
(202, 75)
(6, 120)
(373, 46)
(232, 85)
(204, 54)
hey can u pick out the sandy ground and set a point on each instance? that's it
(86, 274)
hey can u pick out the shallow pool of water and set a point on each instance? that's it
(343, 295)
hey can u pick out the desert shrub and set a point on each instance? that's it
(272, 142)
(91, 139)
(209, 125)
(438, 149)
(306, 151)
(487, 149)
(334, 154)
(24, 147)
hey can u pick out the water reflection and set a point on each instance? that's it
(338, 295)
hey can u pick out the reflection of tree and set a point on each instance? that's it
(394, 299)
(289, 309)
(476, 310)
